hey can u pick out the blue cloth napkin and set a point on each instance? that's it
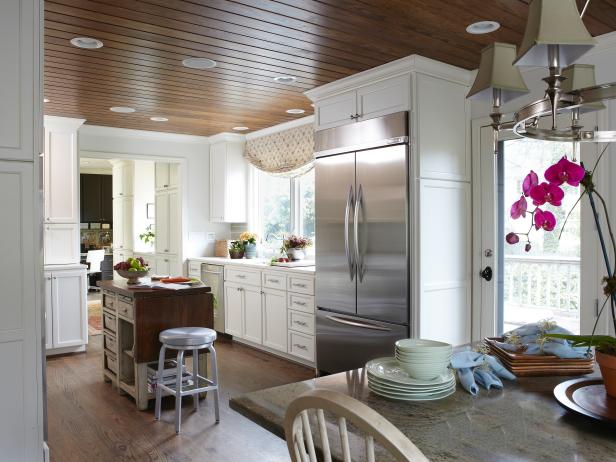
(476, 369)
(528, 335)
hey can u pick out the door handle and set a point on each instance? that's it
(350, 260)
(486, 273)
(359, 264)
(355, 323)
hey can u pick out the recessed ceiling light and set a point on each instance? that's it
(45, 100)
(240, 129)
(199, 63)
(158, 119)
(122, 109)
(285, 79)
(86, 42)
(295, 111)
(482, 27)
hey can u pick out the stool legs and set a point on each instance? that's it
(215, 380)
(195, 378)
(178, 391)
(159, 381)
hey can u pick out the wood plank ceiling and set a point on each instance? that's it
(252, 42)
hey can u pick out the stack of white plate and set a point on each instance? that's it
(423, 359)
(387, 378)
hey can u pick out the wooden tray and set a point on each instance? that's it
(587, 397)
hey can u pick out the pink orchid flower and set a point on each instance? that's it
(529, 182)
(518, 209)
(545, 220)
(547, 192)
(512, 238)
(565, 171)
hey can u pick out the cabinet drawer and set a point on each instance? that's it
(275, 281)
(194, 268)
(124, 308)
(298, 302)
(252, 278)
(110, 343)
(301, 345)
(108, 300)
(301, 322)
(109, 322)
(300, 285)
(111, 362)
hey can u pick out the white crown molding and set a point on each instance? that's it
(413, 63)
(62, 123)
(281, 127)
(226, 136)
(100, 130)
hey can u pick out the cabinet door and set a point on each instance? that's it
(234, 318)
(127, 223)
(91, 198)
(161, 175)
(118, 223)
(386, 97)
(61, 244)
(70, 324)
(174, 175)
(253, 314)
(337, 110)
(118, 181)
(235, 184)
(218, 161)
(106, 199)
(61, 177)
(162, 223)
(174, 222)
(48, 312)
(163, 267)
(275, 319)
(128, 174)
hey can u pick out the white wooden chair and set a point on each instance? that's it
(374, 427)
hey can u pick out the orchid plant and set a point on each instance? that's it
(551, 192)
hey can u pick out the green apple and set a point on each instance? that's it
(132, 269)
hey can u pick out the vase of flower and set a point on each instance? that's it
(250, 244)
(295, 246)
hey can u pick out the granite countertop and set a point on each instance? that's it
(257, 263)
(121, 286)
(523, 422)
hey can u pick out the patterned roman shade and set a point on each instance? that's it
(288, 153)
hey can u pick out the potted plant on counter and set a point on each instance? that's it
(236, 249)
(550, 192)
(295, 246)
(250, 244)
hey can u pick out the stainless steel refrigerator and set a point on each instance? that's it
(362, 232)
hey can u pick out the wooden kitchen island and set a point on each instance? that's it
(132, 321)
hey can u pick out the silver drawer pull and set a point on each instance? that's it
(275, 281)
(240, 276)
(301, 347)
(300, 303)
(297, 284)
(301, 323)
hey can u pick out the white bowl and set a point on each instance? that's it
(423, 361)
(422, 371)
(415, 344)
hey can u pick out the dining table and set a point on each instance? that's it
(521, 422)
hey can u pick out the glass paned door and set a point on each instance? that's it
(543, 283)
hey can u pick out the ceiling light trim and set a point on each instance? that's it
(86, 43)
(199, 63)
(483, 27)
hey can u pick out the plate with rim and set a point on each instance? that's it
(433, 397)
(418, 394)
(409, 388)
(389, 369)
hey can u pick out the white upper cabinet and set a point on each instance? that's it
(61, 170)
(366, 102)
(162, 223)
(123, 177)
(61, 243)
(167, 175)
(228, 178)
(168, 219)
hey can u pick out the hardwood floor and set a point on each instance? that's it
(89, 421)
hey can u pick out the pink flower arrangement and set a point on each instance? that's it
(547, 192)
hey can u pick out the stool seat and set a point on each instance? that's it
(187, 336)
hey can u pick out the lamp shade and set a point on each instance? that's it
(496, 71)
(581, 76)
(553, 22)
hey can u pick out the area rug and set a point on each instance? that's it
(95, 317)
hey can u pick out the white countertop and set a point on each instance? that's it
(257, 263)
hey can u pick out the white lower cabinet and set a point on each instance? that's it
(167, 265)
(66, 313)
(275, 319)
(61, 244)
(253, 314)
(234, 317)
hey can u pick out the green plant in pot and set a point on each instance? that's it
(236, 249)
(295, 246)
(148, 235)
(550, 192)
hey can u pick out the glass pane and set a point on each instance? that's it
(306, 191)
(274, 207)
(545, 282)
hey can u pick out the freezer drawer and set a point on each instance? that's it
(347, 342)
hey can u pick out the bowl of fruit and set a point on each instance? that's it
(132, 269)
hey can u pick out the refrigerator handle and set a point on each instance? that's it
(355, 323)
(347, 211)
(358, 260)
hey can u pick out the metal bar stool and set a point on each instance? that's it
(187, 339)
